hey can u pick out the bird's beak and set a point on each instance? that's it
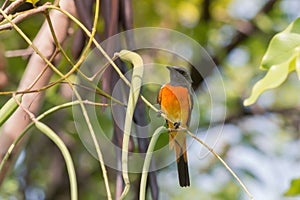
(170, 68)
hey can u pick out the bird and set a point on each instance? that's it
(176, 103)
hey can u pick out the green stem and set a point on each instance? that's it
(135, 86)
(147, 162)
(66, 154)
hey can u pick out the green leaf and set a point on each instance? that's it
(294, 188)
(297, 65)
(281, 58)
(283, 46)
(275, 77)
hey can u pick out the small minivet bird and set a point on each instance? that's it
(176, 103)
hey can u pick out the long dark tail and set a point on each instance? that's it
(183, 171)
(178, 142)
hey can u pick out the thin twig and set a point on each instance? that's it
(43, 41)
(19, 52)
(42, 72)
(84, 54)
(40, 117)
(11, 8)
(223, 162)
(75, 67)
(4, 4)
(23, 15)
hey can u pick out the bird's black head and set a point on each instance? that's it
(179, 76)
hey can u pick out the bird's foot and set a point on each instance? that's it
(177, 124)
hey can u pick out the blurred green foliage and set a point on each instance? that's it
(281, 58)
(294, 189)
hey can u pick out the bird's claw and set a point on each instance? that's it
(176, 125)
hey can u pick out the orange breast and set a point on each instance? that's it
(174, 101)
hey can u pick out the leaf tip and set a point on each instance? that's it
(249, 101)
